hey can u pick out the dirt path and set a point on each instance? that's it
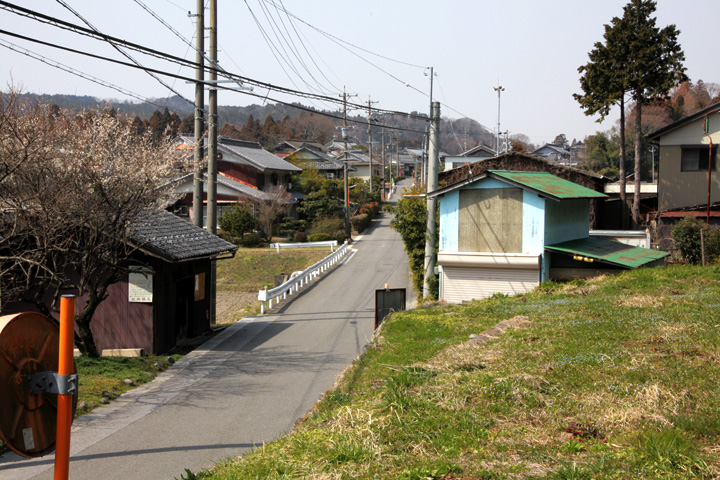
(231, 306)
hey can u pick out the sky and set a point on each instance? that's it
(377, 50)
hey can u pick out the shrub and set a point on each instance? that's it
(320, 237)
(238, 221)
(686, 239)
(360, 222)
(250, 240)
(300, 237)
(329, 225)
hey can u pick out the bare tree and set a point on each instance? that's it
(272, 209)
(71, 190)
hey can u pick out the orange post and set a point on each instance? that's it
(64, 403)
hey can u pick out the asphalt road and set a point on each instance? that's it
(247, 385)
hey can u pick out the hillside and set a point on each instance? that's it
(456, 136)
(615, 377)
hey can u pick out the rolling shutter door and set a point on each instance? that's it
(466, 283)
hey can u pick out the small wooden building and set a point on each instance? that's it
(166, 297)
(507, 232)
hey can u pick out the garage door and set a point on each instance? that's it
(460, 284)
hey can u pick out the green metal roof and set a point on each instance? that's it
(616, 253)
(547, 184)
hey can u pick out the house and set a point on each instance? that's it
(166, 296)
(473, 155)
(687, 147)
(555, 153)
(287, 147)
(599, 217)
(361, 164)
(246, 172)
(328, 166)
(507, 231)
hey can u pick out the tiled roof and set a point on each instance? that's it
(175, 239)
(254, 154)
(240, 187)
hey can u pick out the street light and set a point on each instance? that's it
(498, 89)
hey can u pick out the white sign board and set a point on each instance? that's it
(140, 285)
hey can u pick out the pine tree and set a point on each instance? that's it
(638, 58)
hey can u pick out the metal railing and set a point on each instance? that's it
(330, 243)
(302, 279)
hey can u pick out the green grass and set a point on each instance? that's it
(616, 377)
(252, 269)
(107, 374)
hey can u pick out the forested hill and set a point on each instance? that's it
(456, 135)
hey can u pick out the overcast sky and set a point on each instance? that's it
(531, 48)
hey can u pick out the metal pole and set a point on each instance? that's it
(65, 401)
(212, 125)
(433, 157)
(497, 141)
(199, 105)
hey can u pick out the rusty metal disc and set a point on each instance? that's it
(29, 343)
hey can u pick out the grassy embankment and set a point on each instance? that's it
(616, 377)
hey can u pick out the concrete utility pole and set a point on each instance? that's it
(433, 161)
(346, 186)
(498, 89)
(384, 184)
(212, 124)
(199, 107)
(370, 146)
(425, 157)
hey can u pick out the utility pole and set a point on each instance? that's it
(212, 125)
(346, 186)
(212, 155)
(384, 184)
(370, 103)
(433, 158)
(426, 156)
(199, 106)
(498, 89)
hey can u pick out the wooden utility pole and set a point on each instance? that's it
(432, 184)
(212, 124)
(199, 107)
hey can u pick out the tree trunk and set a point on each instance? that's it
(623, 197)
(87, 344)
(638, 160)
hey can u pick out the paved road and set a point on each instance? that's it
(247, 385)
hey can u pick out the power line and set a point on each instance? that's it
(337, 39)
(164, 56)
(219, 86)
(125, 54)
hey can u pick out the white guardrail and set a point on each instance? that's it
(298, 281)
(329, 243)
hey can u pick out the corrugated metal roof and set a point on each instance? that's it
(607, 251)
(548, 184)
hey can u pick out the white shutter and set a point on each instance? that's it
(467, 283)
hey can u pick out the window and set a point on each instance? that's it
(181, 211)
(695, 159)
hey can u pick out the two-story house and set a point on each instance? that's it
(687, 168)
(245, 172)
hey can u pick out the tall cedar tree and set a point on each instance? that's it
(637, 58)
